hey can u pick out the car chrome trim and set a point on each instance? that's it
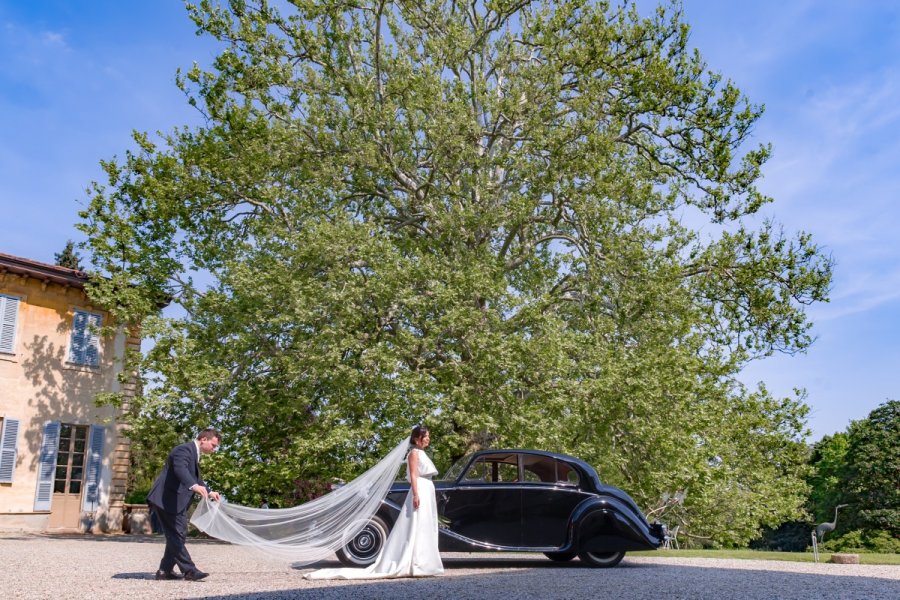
(487, 546)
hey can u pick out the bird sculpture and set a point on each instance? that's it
(823, 528)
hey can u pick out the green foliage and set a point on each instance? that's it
(69, 257)
(827, 489)
(864, 540)
(473, 215)
(872, 470)
(868, 558)
(137, 496)
(859, 468)
(792, 536)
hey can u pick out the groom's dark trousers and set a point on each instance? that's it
(170, 498)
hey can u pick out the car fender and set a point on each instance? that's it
(607, 524)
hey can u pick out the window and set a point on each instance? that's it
(70, 459)
(499, 468)
(84, 348)
(70, 465)
(544, 469)
(9, 438)
(9, 312)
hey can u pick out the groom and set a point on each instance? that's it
(171, 496)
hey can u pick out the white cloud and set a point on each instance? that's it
(52, 38)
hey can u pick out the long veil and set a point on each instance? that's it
(312, 531)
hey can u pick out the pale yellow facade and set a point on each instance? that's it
(41, 383)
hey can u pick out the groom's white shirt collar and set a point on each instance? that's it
(197, 447)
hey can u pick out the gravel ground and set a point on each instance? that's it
(41, 566)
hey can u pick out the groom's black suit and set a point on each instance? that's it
(170, 498)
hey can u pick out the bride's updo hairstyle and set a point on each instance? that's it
(417, 434)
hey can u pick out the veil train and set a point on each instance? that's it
(309, 532)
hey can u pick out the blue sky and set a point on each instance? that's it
(77, 77)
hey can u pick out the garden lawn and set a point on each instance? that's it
(864, 558)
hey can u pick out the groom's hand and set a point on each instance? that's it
(199, 489)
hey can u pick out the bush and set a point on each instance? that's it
(793, 536)
(863, 540)
(137, 497)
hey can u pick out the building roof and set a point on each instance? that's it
(42, 271)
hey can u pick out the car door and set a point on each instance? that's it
(550, 493)
(486, 503)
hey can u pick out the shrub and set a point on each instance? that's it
(137, 497)
(863, 540)
(793, 536)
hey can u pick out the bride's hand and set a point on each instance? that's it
(415, 502)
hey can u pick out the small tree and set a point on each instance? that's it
(69, 257)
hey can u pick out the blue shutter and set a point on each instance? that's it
(9, 311)
(85, 345)
(94, 463)
(79, 330)
(9, 439)
(92, 341)
(47, 466)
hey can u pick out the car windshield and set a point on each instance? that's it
(453, 473)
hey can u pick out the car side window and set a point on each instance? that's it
(477, 472)
(539, 469)
(507, 472)
(499, 468)
(544, 469)
(566, 474)
(531, 477)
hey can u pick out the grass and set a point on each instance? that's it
(864, 558)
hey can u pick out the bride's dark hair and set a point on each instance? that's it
(417, 432)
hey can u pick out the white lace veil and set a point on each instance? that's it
(309, 532)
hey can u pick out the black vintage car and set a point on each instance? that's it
(522, 501)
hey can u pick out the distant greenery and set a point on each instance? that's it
(864, 559)
(69, 258)
(863, 540)
(859, 468)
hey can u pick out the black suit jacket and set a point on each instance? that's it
(172, 489)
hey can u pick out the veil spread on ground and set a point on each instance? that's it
(312, 531)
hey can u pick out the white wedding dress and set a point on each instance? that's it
(411, 549)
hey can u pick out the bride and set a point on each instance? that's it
(313, 531)
(411, 549)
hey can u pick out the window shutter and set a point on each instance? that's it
(92, 341)
(9, 439)
(85, 344)
(94, 463)
(47, 466)
(79, 331)
(9, 311)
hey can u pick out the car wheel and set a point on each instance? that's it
(602, 559)
(560, 556)
(363, 549)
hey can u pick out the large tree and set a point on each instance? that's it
(527, 223)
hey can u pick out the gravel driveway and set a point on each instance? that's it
(41, 566)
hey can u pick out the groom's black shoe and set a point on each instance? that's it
(195, 575)
(164, 575)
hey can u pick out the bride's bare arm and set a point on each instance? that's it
(414, 476)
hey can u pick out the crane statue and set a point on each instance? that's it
(823, 528)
